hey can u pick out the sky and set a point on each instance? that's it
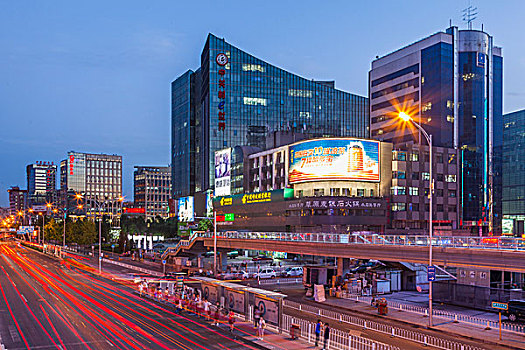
(95, 76)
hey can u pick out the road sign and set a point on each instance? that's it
(229, 217)
(164, 262)
(112, 246)
(431, 273)
(499, 305)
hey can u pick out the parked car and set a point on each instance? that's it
(262, 258)
(265, 273)
(293, 271)
(233, 254)
(516, 310)
(238, 275)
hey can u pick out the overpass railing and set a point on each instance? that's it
(499, 243)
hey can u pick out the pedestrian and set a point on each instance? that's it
(207, 310)
(231, 320)
(217, 314)
(141, 289)
(167, 294)
(326, 336)
(318, 327)
(256, 316)
(372, 302)
(260, 328)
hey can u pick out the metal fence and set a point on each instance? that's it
(339, 339)
(410, 335)
(450, 316)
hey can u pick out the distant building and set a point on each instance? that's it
(41, 183)
(235, 99)
(17, 200)
(450, 83)
(152, 187)
(95, 177)
(514, 173)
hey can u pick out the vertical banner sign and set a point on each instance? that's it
(223, 172)
(222, 60)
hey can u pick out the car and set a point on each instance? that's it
(292, 271)
(516, 310)
(265, 273)
(233, 254)
(262, 258)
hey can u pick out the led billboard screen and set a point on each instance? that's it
(186, 210)
(334, 159)
(223, 172)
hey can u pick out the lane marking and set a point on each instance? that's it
(23, 297)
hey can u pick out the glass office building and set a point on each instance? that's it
(514, 172)
(236, 99)
(451, 83)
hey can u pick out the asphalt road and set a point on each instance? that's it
(45, 304)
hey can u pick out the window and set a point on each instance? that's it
(451, 178)
(439, 193)
(414, 156)
(451, 208)
(450, 119)
(439, 207)
(413, 191)
(254, 101)
(399, 207)
(318, 192)
(360, 192)
(247, 67)
(414, 206)
(334, 192)
(425, 176)
(399, 175)
(439, 157)
(398, 155)
(371, 192)
(452, 193)
(426, 157)
(439, 177)
(300, 93)
(398, 190)
(300, 193)
(415, 176)
(347, 192)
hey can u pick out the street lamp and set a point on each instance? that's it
(78, 197)
(408, 119)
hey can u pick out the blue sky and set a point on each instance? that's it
(95, 76)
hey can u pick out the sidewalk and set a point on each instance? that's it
(468, 331)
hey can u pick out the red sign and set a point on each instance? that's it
(222, 60)
(220, 218)
(71, 160)
(134, 210)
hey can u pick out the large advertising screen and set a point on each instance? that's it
(334, 159)
(223, 172)
(186, 210)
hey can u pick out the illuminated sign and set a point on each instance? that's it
(186, 209)
(71, 161)
(507, 226)
(134, 210)
(252, 198)
(222, 60)
(334, 159)
(223, 172)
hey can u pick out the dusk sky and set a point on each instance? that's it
(95, 76)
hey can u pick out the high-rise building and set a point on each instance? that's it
(41, 183)
(17, 200)
(95, 177)
(450, 83)
(235, 99)
(152, 187)
(514, 172)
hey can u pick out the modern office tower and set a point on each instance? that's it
(514, 173)
(235, 99)
(17, 200)
(41, 182)
(450, 83)
(97, 177)
(151, 187)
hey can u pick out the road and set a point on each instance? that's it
(46, 304)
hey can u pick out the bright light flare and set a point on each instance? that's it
(404, 116)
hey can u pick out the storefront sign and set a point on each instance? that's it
(336, 204)
(252, 198)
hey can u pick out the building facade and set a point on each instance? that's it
(152, 188)
(514, 173)
(17, 200)
(41, 183)
(450, 83)
(97, 177)
(236, 99)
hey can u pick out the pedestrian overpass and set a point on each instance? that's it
(494, 253)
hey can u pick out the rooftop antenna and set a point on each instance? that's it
(469, 15)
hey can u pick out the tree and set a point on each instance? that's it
(53, 231)
(205, 225)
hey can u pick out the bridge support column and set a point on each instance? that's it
(340, 266)
(223, 261)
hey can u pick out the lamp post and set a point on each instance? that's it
(66, 208)
(405, 117)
